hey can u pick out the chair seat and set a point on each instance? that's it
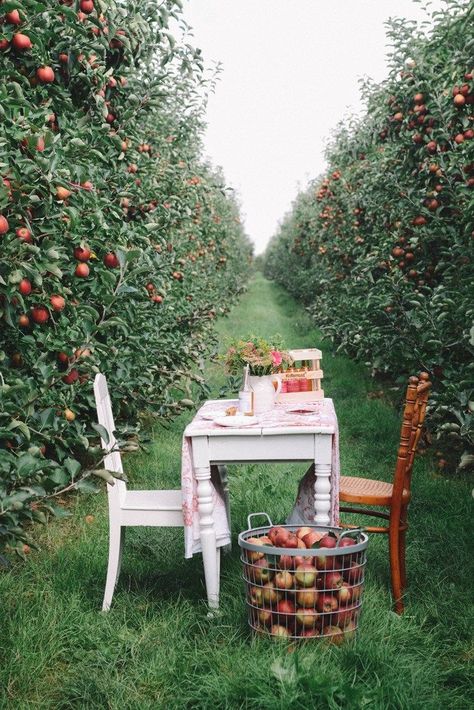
(353, 489)
(153, 500)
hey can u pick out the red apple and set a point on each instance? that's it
(328, 541)
(332, 580)
(307, 597)
(45, 75)
(13, 17)
(292, 541)
(63, 358)
(326, 603)
(24, 234)
(284, 580)
(62, 193)
(265, 616)
(301, 532)
(286, 562)
(273, 532)
(353, 574)
(23, 321)
(21, 42)
(309, 632)
(285, 612)
(111, 261)
(71, 377)
(281, 538)
(281, 631)
(82, 271)
(87, 6)
(255, 596)
(58, 303)
(344, 594)
(259, 572)
(82, 253)
(312, 538)
(39, 314)
(306, 575)
(4, 226)
(270, 595)
(24, 287)
(306, 617)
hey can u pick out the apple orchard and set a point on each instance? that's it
(380, 248)
(118, 244)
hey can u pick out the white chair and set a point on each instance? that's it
(159, 508)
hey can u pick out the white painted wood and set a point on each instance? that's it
(272, 444)
(157, 508)
(207, 533)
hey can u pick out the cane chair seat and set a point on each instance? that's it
(354, 489)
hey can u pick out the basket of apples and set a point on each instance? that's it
(303, 582)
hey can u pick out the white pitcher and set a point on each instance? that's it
(264, 392)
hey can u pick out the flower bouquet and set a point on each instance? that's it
(263, 357)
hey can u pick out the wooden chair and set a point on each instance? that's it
(158, 508)
(393, 496)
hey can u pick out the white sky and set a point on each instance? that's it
(290, 73)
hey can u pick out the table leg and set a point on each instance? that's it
(208, 534)
(322, 494)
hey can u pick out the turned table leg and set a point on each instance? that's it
(208, 534)
(322, 483)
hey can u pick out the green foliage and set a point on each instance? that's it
(109, 207)
(381, 248)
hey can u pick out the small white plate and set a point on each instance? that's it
(212, 414)
(238, 420)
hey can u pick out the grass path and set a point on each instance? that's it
(157, 649)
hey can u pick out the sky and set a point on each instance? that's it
(290, 73)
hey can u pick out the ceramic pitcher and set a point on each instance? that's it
(264, 392)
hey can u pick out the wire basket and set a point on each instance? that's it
(305, 591)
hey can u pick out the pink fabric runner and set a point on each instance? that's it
(323, 415)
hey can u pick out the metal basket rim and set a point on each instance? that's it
(299, 551)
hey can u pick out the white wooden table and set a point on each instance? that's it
(261, 444)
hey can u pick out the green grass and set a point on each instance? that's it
(156, 648)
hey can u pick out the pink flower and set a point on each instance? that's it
(276, 357)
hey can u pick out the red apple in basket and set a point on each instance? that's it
(307, 617)
(265, 616)
(281, 538)
(309, 632)
(306, 575)
(280, 631)
(253, 556)
(285, 611)
(284, 580)
(353, 574)
(326, 562)
(307, 597)
(356, 592)
(326, 603)
(256, 596)
(329, 541)
(333, 580)
(273, 532)
(312, 538)
(300, 560)
(301, 532)
(286, 562)
(270, 595)
(259, 572)
(344, 594)
(292, 541)
(342, 617)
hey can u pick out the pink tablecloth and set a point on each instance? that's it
(303, 509)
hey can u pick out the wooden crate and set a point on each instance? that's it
(314, 374)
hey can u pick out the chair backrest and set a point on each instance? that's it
(417, 394)
(113, 460)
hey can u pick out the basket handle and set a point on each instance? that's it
(350, 531)
(252, 515)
